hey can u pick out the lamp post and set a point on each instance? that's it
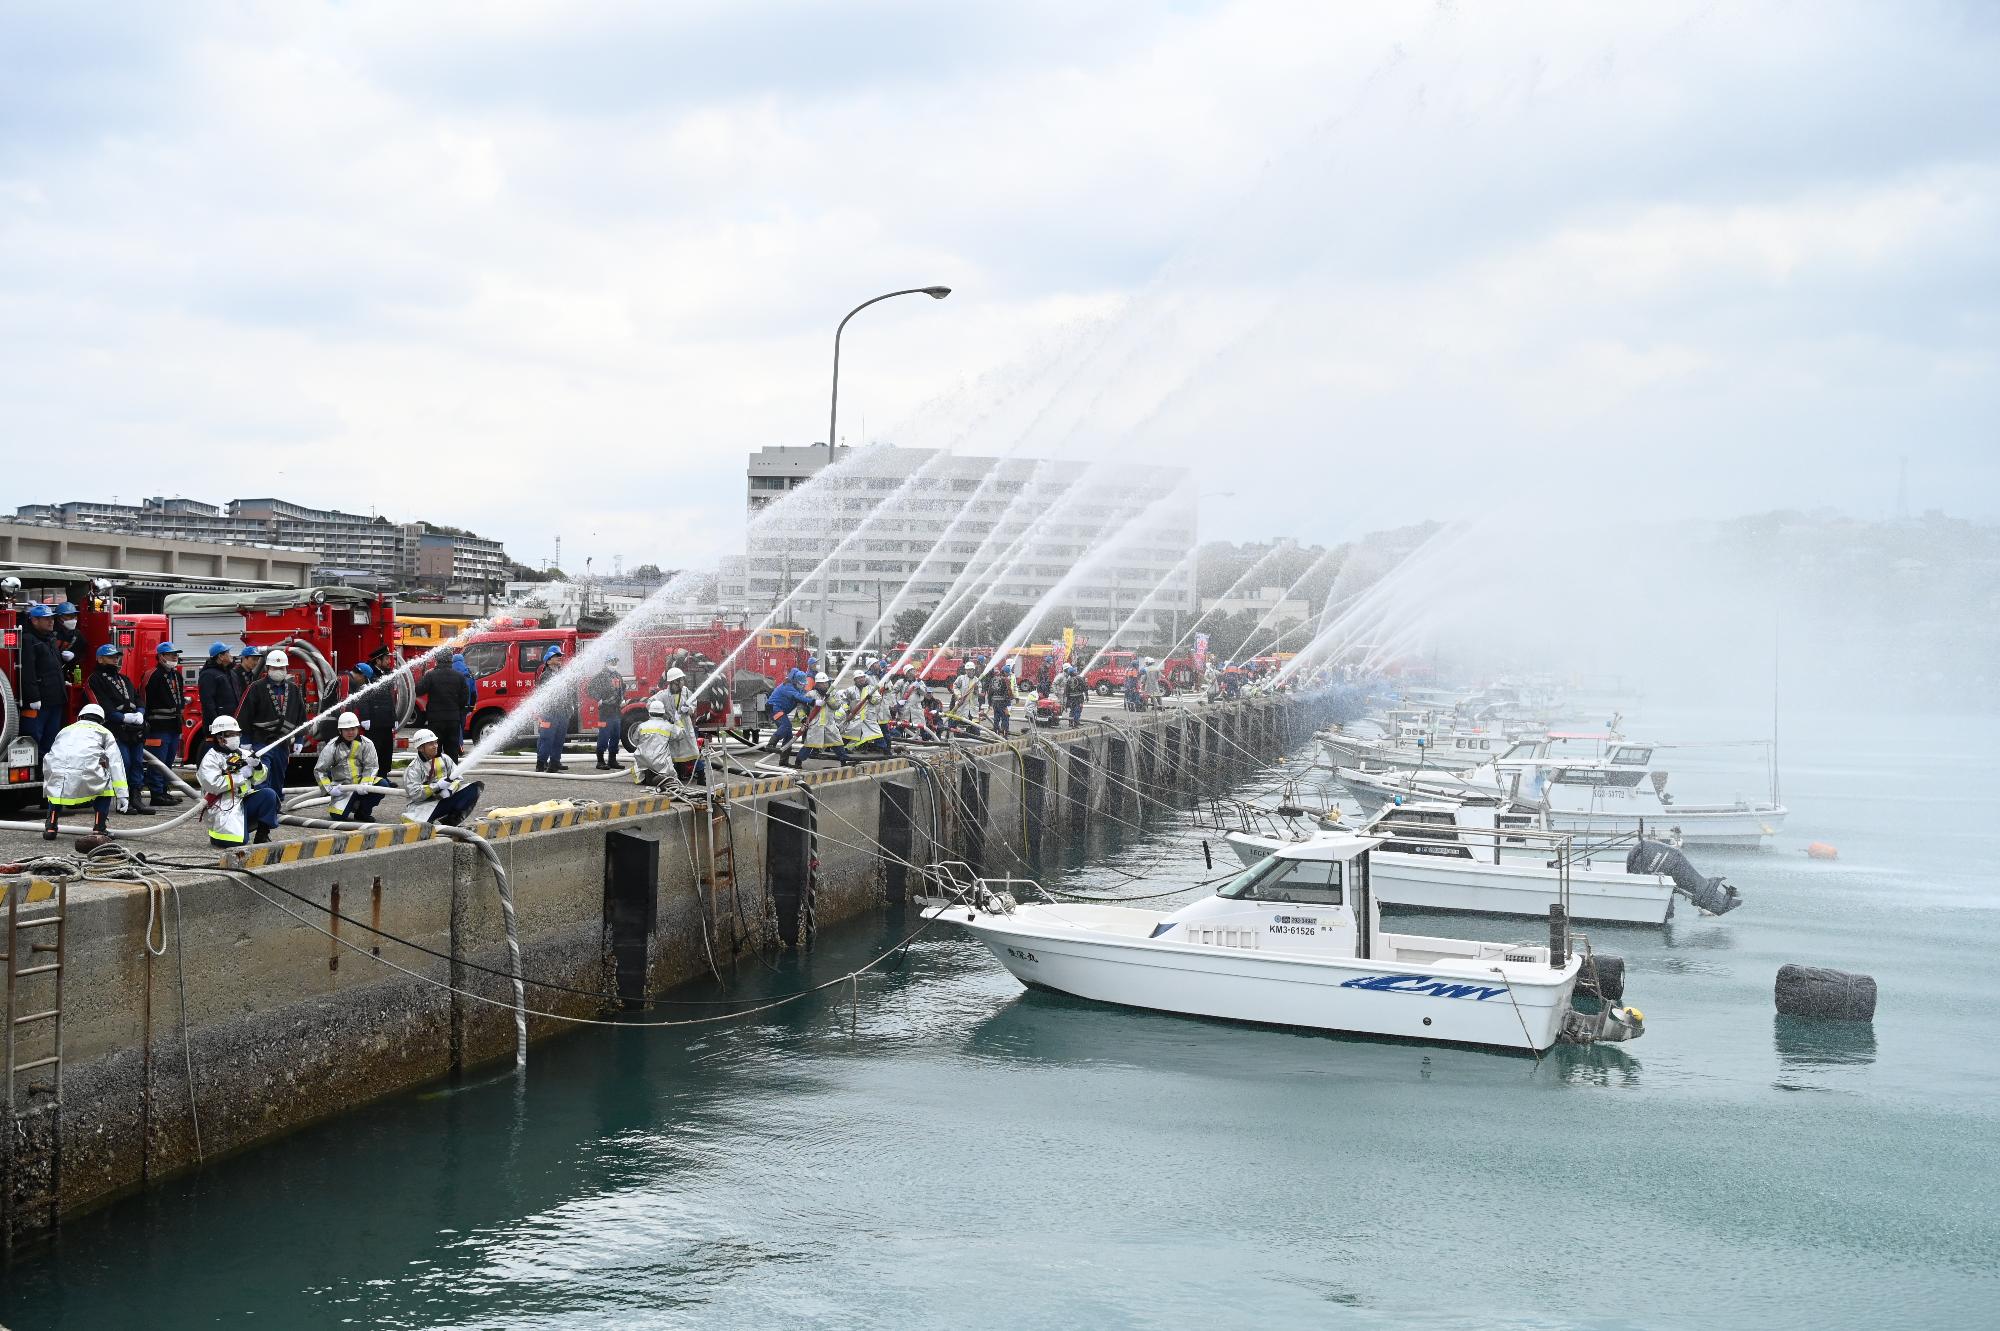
(833, 407)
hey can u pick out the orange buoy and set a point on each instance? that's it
(1819, 850)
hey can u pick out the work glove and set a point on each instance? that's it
(31, 707)
(337, 790)
(366, 724)
(135, 718)
(69, 656)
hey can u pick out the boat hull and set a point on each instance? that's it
(1453, 1004)
(1692, 826)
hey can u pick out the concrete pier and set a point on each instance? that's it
(284, 1025)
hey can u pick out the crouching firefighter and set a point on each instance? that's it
(233, 791)
(346, 771)
(431, 786)
(84, 767)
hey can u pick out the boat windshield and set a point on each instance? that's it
(1304, 882)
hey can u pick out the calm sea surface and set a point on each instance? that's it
(961, 1153)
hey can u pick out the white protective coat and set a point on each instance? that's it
(425, 783)
(223, 792)
(83, 764)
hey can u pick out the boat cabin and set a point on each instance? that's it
(1306, 897)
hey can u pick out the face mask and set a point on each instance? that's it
(69, 623)
(278, 673)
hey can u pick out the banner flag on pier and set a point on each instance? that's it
(1200, 652)
(1068, 652)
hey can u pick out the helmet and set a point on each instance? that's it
(610, 660)
(224, 725)
(822, 678)
(1070, 669)
(40, 611)
(91, 710)
(109, 651)
(347, 721)
(66, 608)
(216, 649)
(552, 653)
(423, 737)
(10, 583)
(276, 658)
(166, 649)
(965, 669)
(365, 670)
(656, 708)
(673, 676)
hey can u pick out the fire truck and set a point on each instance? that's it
(324, 629)
(1108, 675)
(505, 664)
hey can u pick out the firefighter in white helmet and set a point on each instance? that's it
(347, 772)
(273, 707)
(651, 740)
(964, 708)
(234, 791)
(431, 785)
(84, 767)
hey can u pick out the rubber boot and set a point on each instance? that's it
(261, 836)
(53, 828)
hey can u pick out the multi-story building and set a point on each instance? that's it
(352, 547)
(890, 529)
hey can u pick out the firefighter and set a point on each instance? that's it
(675, 693)
(346, 771)
(378, 710)
(431, 786)
(857, 727)
(234, 790)
(822, 730)
(70, 637)
(219, 685)
(552, 720)
(272, 708)
(607, 689)
(683, 742)
(447, 702)
(1000, 697)
(784, 700)
(876, 693)
(1074, 691)
(964, 710)
(166, 710)
(84, 766)
(44, 695)
(651, 740)
(125, 718)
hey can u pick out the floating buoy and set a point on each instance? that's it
(1819, 850)
(1830, 995)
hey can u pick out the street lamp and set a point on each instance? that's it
(833, 408)
(833, 405)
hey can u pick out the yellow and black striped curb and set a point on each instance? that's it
(319, 847)
(32, 890)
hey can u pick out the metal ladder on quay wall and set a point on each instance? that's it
(31, 1048)
(720, 877)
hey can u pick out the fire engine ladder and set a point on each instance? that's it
(31, 1049)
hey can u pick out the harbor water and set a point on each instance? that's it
(938, 1147)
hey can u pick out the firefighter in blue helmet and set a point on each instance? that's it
(44, 695)
(70, 638)
(552, 718)
(125, 718)
(787, 698)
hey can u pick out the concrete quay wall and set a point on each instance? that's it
(284, 1025)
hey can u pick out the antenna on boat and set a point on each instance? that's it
(1777, 624)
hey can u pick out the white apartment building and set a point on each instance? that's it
(920, 518)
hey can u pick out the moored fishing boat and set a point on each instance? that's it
(1294, 940)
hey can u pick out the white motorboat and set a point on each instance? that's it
(1477, 858)
(1294, 940)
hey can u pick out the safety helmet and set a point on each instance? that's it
(965, 669)
(66, 608)
(423, 737)
(347, 721)
(166, 649)
(10, 583)
(40, 611)
(552, 653)
(822, 678)
(674, 676)
(276, 658)
(656, 708)
(91, 710)
(224, 725)
(216, 649)
(108, 652)
(365, 670)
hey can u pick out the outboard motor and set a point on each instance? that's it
(1712, 895)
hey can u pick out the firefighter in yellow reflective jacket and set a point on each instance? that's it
(346, 771)
(652, 740)
(431, 785)
(233, 792)
(824, 723)
(84, 767)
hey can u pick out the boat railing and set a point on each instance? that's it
(953, 883)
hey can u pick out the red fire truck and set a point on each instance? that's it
(324, 629)
(506, 663)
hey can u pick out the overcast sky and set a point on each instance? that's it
(555, 268)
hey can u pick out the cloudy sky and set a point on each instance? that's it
(553, 268)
